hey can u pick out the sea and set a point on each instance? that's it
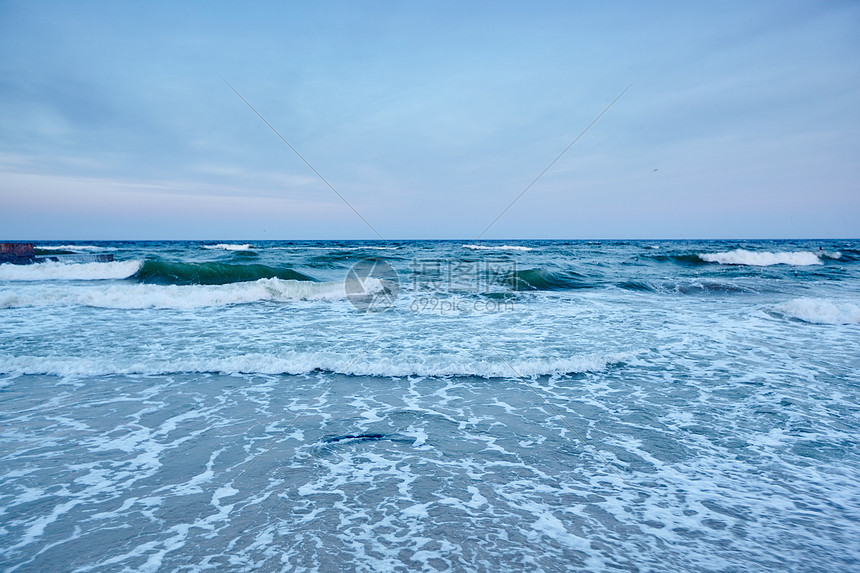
(431, 406)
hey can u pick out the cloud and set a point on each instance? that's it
(412, 112)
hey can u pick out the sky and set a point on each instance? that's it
(429, 118)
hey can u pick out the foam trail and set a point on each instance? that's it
(292, 362)
(820, 311)
(763, 259)
(71, 272)
(497, 248)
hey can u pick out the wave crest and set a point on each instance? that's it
(762, 259)
(141, 296)
(292, 362)
(820, 311)
(61, 249)
(169, 273)
(541, 279)
(497, 248)
(72, 272)
(229, 247)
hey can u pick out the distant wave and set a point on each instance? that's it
(171, 273)
(140, 296)
(69, 248)
(333, 248)
(78, 272)
(820, 311)
(229, 247)
(498, 248)
(292, 362)
(762, 259)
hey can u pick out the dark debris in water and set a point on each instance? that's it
(356, 437)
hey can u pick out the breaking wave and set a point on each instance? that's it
(229, 247)
(151, 272)
(763, 259)
(819, 311)
(74, 272)
(63, 249)
(141, 296)
(497, 248)
(293, 362)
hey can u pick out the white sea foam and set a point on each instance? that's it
(293, 362)
(75, 248)
(497, 248)
(820, 311)
(76, 271)
(140, 296)
(229, 247)
(762, 259)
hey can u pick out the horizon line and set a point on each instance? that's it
(468, 240)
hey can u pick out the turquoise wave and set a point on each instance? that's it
(541, 279)
(171, 273)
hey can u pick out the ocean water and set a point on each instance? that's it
(432, 405)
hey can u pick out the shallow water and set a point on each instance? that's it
(624, 406)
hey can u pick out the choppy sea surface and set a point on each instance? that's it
(486, 406)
